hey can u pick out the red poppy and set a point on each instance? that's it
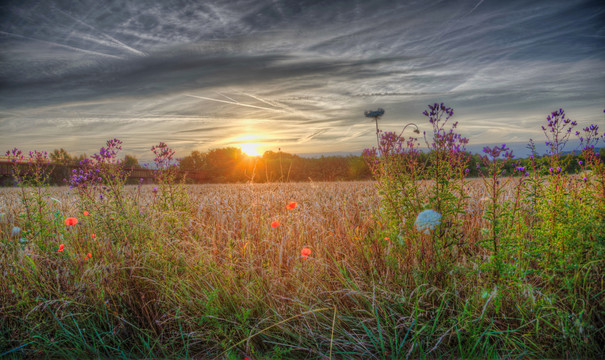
(291, 205)
(275, 224)
(61, 247)
(386, 238)
(305, 252)
(86, 213)
(71, 221)
(93, 235)
(89, 255)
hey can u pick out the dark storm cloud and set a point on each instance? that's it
(295, 74)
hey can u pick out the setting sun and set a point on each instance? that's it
(250, 149)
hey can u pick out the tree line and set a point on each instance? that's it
(231, 165)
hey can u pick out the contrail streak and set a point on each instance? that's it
(61, 45)
(234, 103)
(111, 38)
(263, 100)
(221, 94)
(476, 6)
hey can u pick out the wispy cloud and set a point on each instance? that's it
(300, 73)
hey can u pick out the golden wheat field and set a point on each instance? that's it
(267, 271)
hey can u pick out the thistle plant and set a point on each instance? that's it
(446, 169)
(498, 211)
(170, 194)
(100, 182)
(31, 175)
(565, 209)
(593, 168)
(398, 165)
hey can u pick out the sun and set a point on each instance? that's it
(250, 149)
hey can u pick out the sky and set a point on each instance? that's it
(291, 75)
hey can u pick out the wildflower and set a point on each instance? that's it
(71, 221)
(585, 179)
(16, 230)
(89, 255)
(291, 205)
(374, 113)
(93, 235)
(386, 238)
(427, 220)
(61, 247)
(275, 224)
(305, 252)
(86, 213)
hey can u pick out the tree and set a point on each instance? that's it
(61, 156)
(197, 161)
(130, 161)
(223, 164)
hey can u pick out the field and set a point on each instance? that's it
(200, 272)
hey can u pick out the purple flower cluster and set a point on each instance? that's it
(38, 157)
(164, 156)
(395, 151)
(498, 151)
(89, 174)
(109, 154)
(437, 111)
(557, 130)
(438, 115)
(15, 155)
(92, 170)
(590, 138)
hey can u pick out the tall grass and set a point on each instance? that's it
(182, 271)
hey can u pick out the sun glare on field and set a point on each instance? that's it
(250, 149)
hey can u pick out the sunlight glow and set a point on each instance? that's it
(250, 149)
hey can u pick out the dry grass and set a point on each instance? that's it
(195, 283)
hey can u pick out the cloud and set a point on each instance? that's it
(299, 72)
